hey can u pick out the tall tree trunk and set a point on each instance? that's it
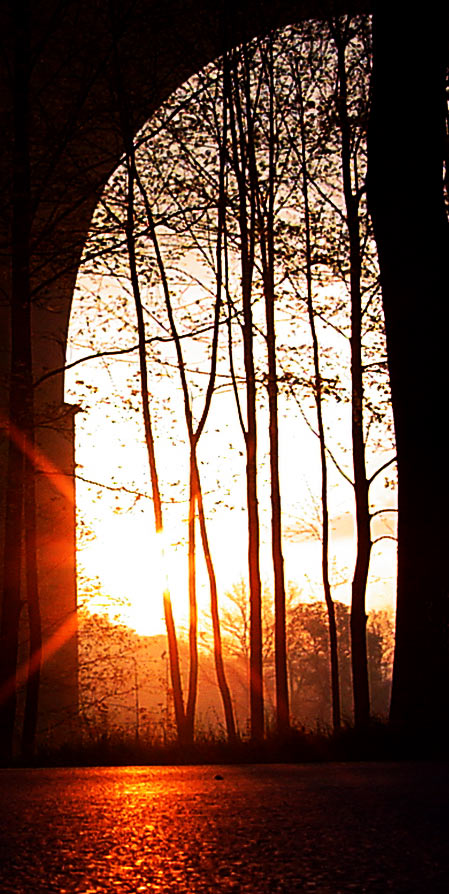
(246, 222)
(256, 675)
(193, 608)
(186, 732)
(333, 635)
(175, 672)
(406, 199)
(218, 651)
(359, 654)
(128, 140)
(149, 440)
(280, 638)
(266, 239)
(195, 498)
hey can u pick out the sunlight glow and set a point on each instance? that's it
(133, 565)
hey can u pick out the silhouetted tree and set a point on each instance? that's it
(241, 135)
(185, 715)
(406, 199)
(353, 189)
(318, 395)
(129, 227)
(264, 203)
(265, 196)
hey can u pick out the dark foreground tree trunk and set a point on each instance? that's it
(405, 183)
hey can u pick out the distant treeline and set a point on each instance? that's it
(125, 680)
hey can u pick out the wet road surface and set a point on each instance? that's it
(278, 829)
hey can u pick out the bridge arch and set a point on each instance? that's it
(74, 142)
(75, 139)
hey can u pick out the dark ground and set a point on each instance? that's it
(326, 828)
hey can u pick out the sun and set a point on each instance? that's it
(133, 568)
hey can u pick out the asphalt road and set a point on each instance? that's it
(257, 830)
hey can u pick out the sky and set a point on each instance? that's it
(122, 550)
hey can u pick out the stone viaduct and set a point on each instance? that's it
(75, 144)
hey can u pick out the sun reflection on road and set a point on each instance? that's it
(284, 829)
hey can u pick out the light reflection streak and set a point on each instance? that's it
(62, 482)
(59, 638)
(67, 629)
